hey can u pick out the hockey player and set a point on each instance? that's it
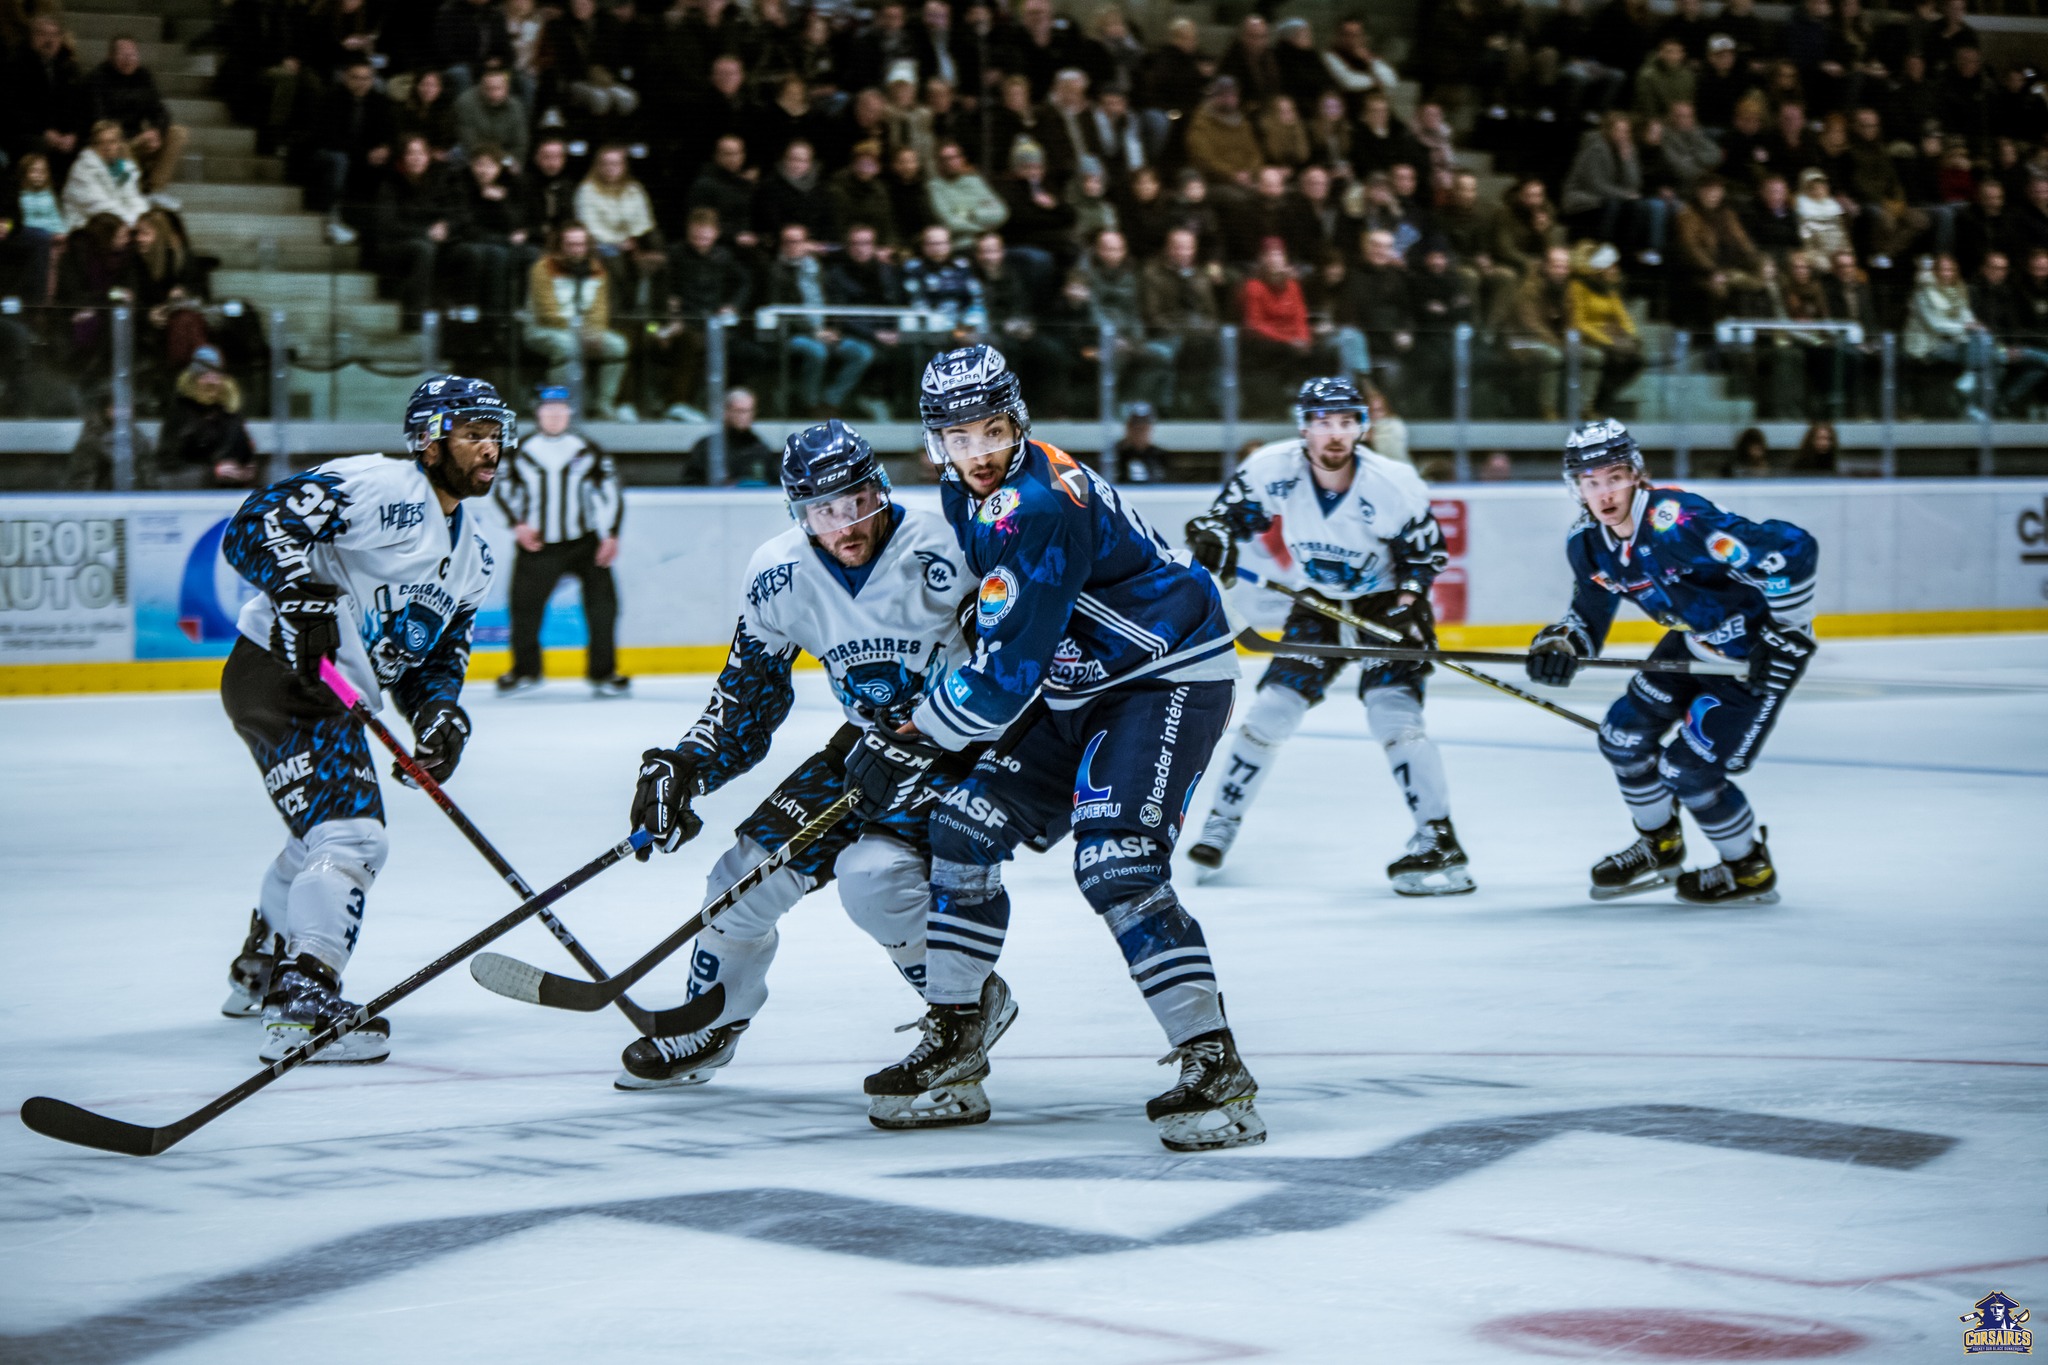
(874, 592)
(374, 562)
(1079, 600)
(1360, 533)
(1727, 589)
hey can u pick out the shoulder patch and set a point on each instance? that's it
(998, 505)
(1728, 549)
(1664, 515)
(998, 595)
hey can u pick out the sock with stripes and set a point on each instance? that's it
(1169, 961)
(1725, 817)
(970, 916)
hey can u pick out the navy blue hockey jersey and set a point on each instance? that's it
(1691, 567)
(1078, 595)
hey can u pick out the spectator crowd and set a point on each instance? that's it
(591, 180)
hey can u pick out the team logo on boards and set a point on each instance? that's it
(998, 595)
(1998, 1327)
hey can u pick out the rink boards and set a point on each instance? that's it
(121, 592)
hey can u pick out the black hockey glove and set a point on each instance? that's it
(1782, 654)
(968, 614)
(885, 770)
(661, 802)
(1214, 548)
(1414, 620)
(439, 731)
(307, 629)
(1553, 658)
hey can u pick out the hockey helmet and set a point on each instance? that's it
(439, 405)
(1596, 444)
(1333, 393)
(831, 477)
(965, 386)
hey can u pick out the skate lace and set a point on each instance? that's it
(1636, 856)
(682, 1045)
(1719, 877)
(1194, 1059)
(928, 1025)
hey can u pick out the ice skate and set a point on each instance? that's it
(617, 685)
(306, 998)
(1653, 860)
(1210, 1106)
(688, 1059)
(1434, 865)
(939, 1084)
(1219, 832)
(512, 684)
(249, 974)
(1748, 880)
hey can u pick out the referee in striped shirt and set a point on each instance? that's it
(562, 496)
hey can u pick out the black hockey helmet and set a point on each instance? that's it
(824, 469)
(1593, 445)
(964, 386)
(1332, 393)
(441, 404)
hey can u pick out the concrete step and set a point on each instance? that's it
(294, 287)
(354, 393)
(285, 257)
(220, 140)
(211, 197)
(315, 325)
(93, 30)
(200, 114)
(180, 9)
(184, 85)
(214, 169)
(210, 228)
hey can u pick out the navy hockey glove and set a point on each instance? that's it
(1782, 654)
(307, 629)
(439, 732)
(1553, 658)
(661, 802)
(885, 770)
(1414, 620)
(1214, 548)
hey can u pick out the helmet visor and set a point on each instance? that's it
(843, 510)
(1329, 423)
(976, 440)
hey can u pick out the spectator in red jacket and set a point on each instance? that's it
(1277, 342)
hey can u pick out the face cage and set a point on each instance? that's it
(934, 443)
(440, 424)
(800, 508)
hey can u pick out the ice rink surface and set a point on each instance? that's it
(1510, 1126)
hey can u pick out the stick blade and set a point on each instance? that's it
(700, 1013)
(507, 976)
(68, 1123)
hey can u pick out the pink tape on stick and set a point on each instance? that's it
(331, 675)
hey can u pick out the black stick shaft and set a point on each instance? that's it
(639, 1017)
(1260, 644)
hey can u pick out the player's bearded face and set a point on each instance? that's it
(1609, 493)
(980, 452)
(468, 461)
(849, 526)
(1332, 436)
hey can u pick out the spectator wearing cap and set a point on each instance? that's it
(569, 298)
(750, 462)
(1610, 354)
(1300, 73)
(1720, 86)
(1088, 196)
(204, 442)
(1221, 143)
(122, 89)
(1178, 305)
(1135, 458)
(562, 497)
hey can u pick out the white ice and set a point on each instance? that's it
(1817, 1124)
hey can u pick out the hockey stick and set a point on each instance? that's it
(69, 1123)
(1323, 607)
(352, 699)
(517, 980)
(1256, 643)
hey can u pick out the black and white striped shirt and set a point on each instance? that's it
(562, 486)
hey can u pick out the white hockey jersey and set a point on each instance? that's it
(883, 647)
(412, 579)
(1380, 536)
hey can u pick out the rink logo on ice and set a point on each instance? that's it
(1090, 801)
(1999, 1328)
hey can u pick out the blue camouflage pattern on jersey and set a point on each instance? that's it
(271, 533)
(1078, 595)
(751, 698)
(1691, 567)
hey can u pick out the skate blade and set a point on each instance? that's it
(1637, 888)
(946, 1106)
(1456, 881)
(1206, 856)
(1769, 897)
(240, 1004)
(628, 1081)
(1235, 1123)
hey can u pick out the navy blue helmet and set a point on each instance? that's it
(824, 466)
(1331, 394)
(1595, 444)
(439, 405)
(968, 385)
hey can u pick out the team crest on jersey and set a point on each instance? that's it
(939, 573)
(1068, 669)
(1000, 504)
(998, 595)
(1728, 549)
(1664, 515)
